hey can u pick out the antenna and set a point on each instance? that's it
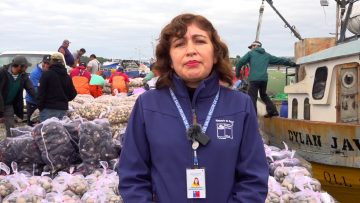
(296, 33)
(261, 12)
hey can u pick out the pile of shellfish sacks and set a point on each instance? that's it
(22, 187)
(116, 109)
(74, 159)
(68, 160)
(290, 179)
(135, 84)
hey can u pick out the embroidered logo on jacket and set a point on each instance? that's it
(224, 129)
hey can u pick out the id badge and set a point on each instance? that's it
(195, 183)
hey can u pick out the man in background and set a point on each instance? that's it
(151, 78)
(259, 61)
(35, 75)
(94, 65)
(64, 49)
(13, 80)
(55, 89)
(77, 56)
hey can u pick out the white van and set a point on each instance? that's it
(34, 57)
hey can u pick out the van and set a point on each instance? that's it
(34, 57)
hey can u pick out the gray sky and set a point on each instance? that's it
(127, 29)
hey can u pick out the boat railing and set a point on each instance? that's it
(291, 74)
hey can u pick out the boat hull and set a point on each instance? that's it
(343, 183)
(332, 149)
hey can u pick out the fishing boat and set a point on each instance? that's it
(322, 117)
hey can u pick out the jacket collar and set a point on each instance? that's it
(207, 88)
(10, 73)
(39, 66)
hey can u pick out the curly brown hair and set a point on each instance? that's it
(178, 28)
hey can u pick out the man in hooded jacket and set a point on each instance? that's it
(13, 80)
(55, 89)
(259, 60)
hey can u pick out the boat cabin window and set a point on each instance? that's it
(294, 110)
(318, 89)
(306, 109)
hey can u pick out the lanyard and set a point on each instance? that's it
(195, 143)
(182, 114)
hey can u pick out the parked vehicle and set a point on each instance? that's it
(34, 57)
(131, 68)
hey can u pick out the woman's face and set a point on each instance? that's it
(192, 56)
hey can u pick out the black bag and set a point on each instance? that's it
(55, 144)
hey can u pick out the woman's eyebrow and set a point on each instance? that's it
(176, 39)
(199, 36)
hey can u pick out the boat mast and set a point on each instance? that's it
(337, 25)
(292, 28)
(342, 5)
(346, 20)
(261, 12)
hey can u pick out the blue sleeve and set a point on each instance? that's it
(252, 170)
(35, 79)
(42, 90)
(134, 165)
(244, 60)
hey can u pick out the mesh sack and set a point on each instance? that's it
(54, 142)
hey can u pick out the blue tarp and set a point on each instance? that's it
(110, 66)
(132, 74)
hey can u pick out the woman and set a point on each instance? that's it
(165, 148)
(196, 182)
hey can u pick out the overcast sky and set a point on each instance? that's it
(128, 29)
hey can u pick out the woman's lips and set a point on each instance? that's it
(192, 64)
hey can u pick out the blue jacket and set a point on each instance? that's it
(35, 76)
(156, 151)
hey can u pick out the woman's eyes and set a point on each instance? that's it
(179, 44)
(200, 41)
(183, 43)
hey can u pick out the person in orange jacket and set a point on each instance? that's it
(81, 79)
(119, 82)
(97, 83)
